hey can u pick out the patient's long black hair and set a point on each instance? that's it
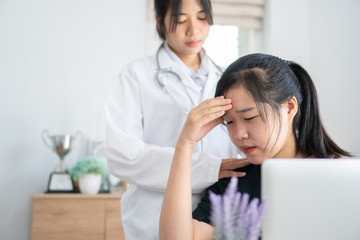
(272, 80)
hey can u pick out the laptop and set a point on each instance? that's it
(311, 199)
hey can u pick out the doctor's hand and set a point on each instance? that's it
(202, 119)
(229, 165)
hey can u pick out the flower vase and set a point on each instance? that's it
(90, 183)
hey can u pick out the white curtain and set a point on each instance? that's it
(243, 13)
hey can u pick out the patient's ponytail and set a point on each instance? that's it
(274, 81)
(312, 137)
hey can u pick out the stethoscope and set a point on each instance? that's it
(162, 84)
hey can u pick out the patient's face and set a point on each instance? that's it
(259, 138)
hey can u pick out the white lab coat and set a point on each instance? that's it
(143, 125)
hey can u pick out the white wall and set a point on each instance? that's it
(286, 30)
(324, 37)
(334, 38)
(58, 60)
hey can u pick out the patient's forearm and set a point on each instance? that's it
(176, 213)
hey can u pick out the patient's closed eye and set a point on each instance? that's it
(250, 118)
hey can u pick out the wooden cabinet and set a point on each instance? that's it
(76, 216)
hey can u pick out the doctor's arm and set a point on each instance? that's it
(130, 158)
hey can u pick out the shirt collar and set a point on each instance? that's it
(204, 66)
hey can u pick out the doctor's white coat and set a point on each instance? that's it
(143, 125)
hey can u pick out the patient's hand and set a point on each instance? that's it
(202, 119)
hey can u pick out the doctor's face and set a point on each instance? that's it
(259, 138)
(191, 30)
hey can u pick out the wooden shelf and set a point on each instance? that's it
(76, 216)
(76, 196)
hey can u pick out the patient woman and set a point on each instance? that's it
(270, 108)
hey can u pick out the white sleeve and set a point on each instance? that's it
(133, 160)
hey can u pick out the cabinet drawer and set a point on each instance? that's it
(76, 217)
(68, 219)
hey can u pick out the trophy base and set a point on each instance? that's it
(60, 182)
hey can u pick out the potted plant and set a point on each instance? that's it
(88, 172)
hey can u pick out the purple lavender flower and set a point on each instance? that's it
(234, 217)
(216, 216)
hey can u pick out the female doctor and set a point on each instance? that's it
(147, 108)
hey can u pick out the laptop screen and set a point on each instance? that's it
(311, 199)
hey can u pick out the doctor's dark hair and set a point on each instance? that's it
(274, 81)
(161, 7)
